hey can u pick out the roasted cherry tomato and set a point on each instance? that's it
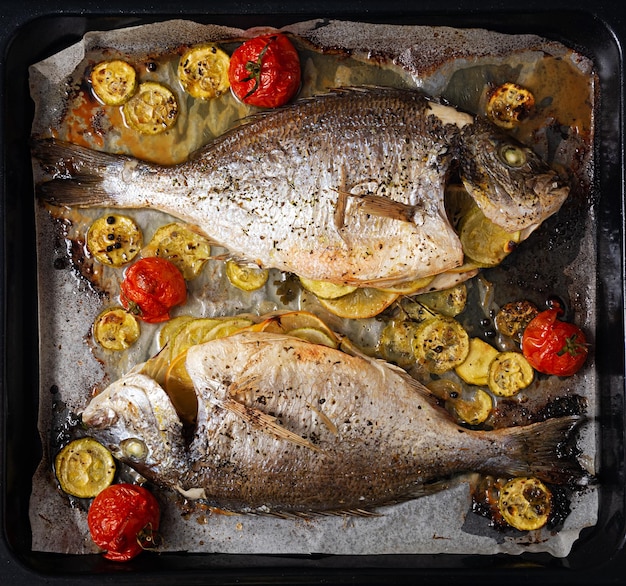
(553, 346)
(151, 287)
(124, 520)
(265, 71)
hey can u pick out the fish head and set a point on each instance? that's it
(512, 185)
(135, 419)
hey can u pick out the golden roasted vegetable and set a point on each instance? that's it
(509, 373)
(152, 109)
(396, 342)
(113, 82)
(508, 104)
(84, 467)
(362, 303)
(246, 278)
(203, 71)
(512, 318)
(448, 302)
(325, 289)
(116, 329)
(114, 239)
(525, 503)
(474, 370)
(440, 344)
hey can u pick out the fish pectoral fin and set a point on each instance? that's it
(384, 207)
(265, 423)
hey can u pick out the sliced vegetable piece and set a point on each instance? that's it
(508, 104)
(179, 387)
(84, 468)
(525, 503)
(116, 329)
(512, 318)
(265, 71)
(113, 82)
(152, 110)
(326, 289)
(484, 242)
(124, 520)
(440, 344)
(203, 71)
(114, 239)
(184, 247)
(314, 336)
(473, 408)
(360, 304)
(396, 342)
(245, 277)
(409, 287)
(170, 328)
(509, 373)
(474, 370)
(151, 288)
(448, 302)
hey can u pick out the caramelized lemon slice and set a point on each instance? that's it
(246, 278)
(114, 239)
(187, 249)
(525, 503)
(113, 82)
(84, 467)
(116, 329)
(152, 110)
(326, 289)
(203, 71)
(509, 373)
(360, 304)
(508, 104)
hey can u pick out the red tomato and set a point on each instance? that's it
(265, 71)
(123, 520)
(151, 287)
(553, 346)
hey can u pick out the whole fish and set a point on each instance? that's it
(346, 187)
(289, 427)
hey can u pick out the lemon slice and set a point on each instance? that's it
(116, 329)
(179, 387)
(184, 247)
(484, 242)
(114, 239)
(246, 278)
(205, 329)
(326, 289)
(360, 304)
(525, 503)
(113, 82)
(508, 104)
(152, 110)
(314, 336)
(170, 328)
(474, 370)
(509, 373)
(84, 467)
(203, 71)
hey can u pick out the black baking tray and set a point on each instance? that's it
(34, 30)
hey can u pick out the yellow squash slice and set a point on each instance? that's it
(326, 289)
(244, 277)
(114, 239)
(360, 304)
(509, 373)
(474, 370)
(440, 344)
(84, 467)
(113, 82)
(525, 503)
(152, 110)
(116, 329)
(203, 71)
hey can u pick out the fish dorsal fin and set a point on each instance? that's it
(260, 420)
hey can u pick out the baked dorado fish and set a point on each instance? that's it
(286, 426)
(346, 187)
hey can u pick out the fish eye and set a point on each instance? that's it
(134, 448)
(512, 155)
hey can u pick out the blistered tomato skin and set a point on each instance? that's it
(123, 521)
(265, 71)
(553, 346)
(151, 288)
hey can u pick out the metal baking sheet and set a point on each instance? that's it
(604, 254)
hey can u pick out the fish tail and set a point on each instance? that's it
(545, 450)
(74, 175)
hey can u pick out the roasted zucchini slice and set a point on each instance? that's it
(203, 71)
(440, 344)
(512, 318)
(84, 467)
(474, 370)
(474, 408)
(113, 82)
(326, 289)
(395, 343)
(152, 109)
(448, 302)
(362, 303)
(114, 239)
(244, 277)
(525, 503)
(116, 329)
(509, 373)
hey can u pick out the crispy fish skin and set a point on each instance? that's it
(286, 426)
(346, 187)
